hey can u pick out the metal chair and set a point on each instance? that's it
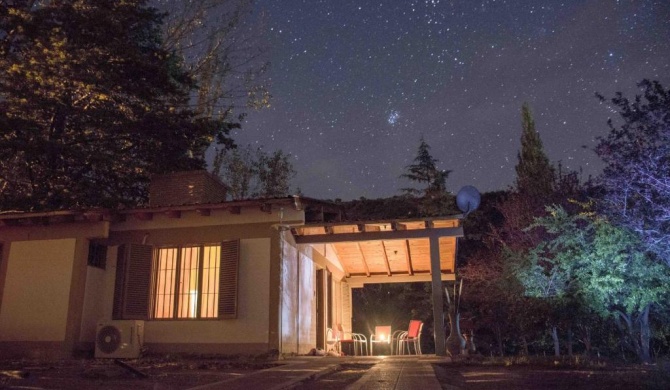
(382, 335)
(395, 338)
(359, 340)
(411, 337)
(332, 340)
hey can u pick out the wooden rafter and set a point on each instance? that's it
(365, 262)
(408, 257)
(386, 259)
(347, 271)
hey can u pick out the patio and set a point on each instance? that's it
(390, 251)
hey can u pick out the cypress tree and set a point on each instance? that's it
(534, 172)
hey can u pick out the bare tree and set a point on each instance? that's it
(220, 43)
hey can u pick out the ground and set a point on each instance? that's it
(161, 373)
(180, 373)
(339, 379)
(544, 377)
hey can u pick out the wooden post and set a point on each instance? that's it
(436, 281)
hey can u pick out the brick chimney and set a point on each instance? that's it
(186, 188)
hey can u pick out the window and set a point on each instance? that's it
(178, 282)
(186, 282)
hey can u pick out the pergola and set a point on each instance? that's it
(390, 251)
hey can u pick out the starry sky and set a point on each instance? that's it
(356, 84)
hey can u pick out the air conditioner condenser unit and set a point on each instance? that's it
(119, 339)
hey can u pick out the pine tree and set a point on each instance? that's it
(425, 171)
(434, 196)
(535, 174)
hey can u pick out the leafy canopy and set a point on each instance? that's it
(591, 258)
(637, 158)
(91, 105)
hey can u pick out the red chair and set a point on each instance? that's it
(412, 337)
(382, 335)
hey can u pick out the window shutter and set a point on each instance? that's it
(137, 281)
(228, 276)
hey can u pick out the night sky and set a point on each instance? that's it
(356, 84)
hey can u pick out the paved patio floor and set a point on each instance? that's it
(388, 373)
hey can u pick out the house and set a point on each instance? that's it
(205, 275)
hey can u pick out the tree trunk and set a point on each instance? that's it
(636, 335)
(524, 345)
(585, 334)
(570, 341)
(499, 341)
(554, 337)
(645, 335)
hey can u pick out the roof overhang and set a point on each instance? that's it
(389, 251)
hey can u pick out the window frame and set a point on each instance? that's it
(134, 275)
(176, 302)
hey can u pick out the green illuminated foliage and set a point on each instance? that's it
(602, 265)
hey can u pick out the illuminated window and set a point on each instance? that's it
(186, 282)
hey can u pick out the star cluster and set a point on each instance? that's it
(356, 84)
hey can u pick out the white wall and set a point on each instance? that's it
(252, 323)
(94, 309)
(298, 299)
(37, 289)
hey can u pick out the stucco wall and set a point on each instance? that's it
(37, 290)
(94, 309)
(298, 299)
(289, 297)
(307, 319)
(252, 322)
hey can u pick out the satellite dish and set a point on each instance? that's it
(468, 199)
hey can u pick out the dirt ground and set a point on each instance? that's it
(178, 374)
(482, 377)
(161, 374)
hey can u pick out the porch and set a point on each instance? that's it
(392, 251)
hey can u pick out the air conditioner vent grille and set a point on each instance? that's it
(109, 339)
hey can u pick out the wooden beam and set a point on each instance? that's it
(386, 260)
(365, 262)
(408, 257)
(360, 281)
(347, 272)
(374, 236)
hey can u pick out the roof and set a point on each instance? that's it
(315, 210)
(384, 251)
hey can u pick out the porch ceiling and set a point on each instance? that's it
(384, 251)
